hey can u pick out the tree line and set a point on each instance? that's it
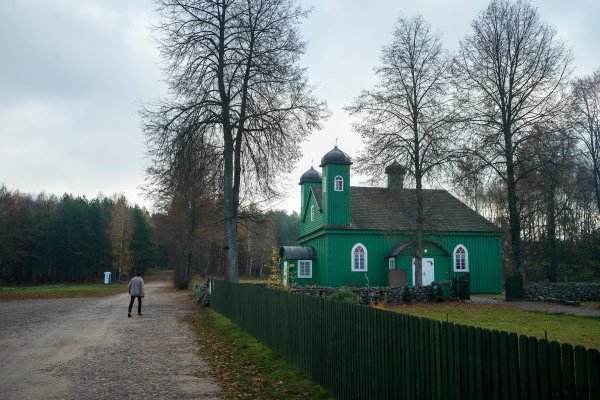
(45, 239)
(204, 250)
(72, 239)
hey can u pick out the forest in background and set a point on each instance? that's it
(73, 239)
(46, 239)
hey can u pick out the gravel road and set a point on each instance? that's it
(89, 349)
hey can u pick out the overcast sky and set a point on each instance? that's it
(73, 74)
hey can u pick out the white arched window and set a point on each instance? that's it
(324, 184)
(339, 184)
(461, 259)
(312, 212)
(359, 258)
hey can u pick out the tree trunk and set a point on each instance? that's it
(513, 212)
(552, 251)
(229, 195)
(184, 265)
(419, 193)
(596, 173)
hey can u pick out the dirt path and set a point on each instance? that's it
(89, 349)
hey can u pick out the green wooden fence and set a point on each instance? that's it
(359, 352)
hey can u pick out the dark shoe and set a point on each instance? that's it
(129, 315)
(139, 313)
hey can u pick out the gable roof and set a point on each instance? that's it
(395, 209)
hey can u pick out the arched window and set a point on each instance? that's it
(339, 184)
(324, 184)
(461, 259)
(312, 212)
(359, 258)
(392, 263)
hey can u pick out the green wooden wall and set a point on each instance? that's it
(306, 225)
(334, 252)
(336, 205)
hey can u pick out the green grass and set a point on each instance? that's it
(61, 290)
(562, 328)
(246, 368)
(152, 271)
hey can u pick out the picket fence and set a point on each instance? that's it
(359, 352)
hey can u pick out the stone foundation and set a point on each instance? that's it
(373, 295)
(563, 291)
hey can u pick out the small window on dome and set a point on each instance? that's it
(324, 184)
(339, 184)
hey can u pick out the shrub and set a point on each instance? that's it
(406, 295)
(438, 292)
(344, 295)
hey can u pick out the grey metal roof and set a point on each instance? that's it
(310, 176)
(382, 208)
(395, 168)
(298, 253)
(335, 156)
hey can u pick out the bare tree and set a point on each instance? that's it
(181, 178)
(405, 117)
(233, 70)
(120, 233)
(511, 75)
(586, 122)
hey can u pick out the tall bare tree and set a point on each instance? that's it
(511, 74)
(586, 122)
(233, 71)
(121, 231)
(181, 179)
(405, 117)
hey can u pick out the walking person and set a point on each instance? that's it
(136, 289)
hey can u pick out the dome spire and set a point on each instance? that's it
(336, 156)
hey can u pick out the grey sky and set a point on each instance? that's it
(73, 72)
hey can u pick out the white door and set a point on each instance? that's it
(285, 273)
(427, 271)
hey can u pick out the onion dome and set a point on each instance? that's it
(310, 176)
(335, 156)
(395, 168)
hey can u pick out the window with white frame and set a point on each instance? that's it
(304, 268)
(359, 258)
(312, 212)
(392, 263)
(461, 259)
(339, 184)
(324, 184)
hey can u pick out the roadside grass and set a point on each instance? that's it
(244, 367)
(562, 328)
(61, 290)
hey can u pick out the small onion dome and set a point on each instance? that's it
(335, 156)
(310, 176)
(395, 168)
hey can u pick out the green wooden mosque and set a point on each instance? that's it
(364, 236)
